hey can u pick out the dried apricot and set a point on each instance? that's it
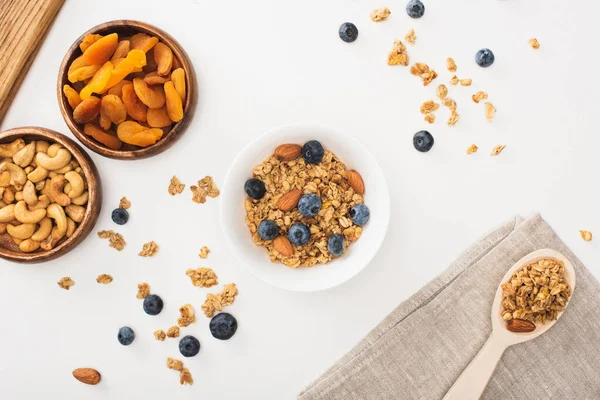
(118, 88)
(178, 78)
(101, 50)
(174, 104)
(141, 41)
(152, 96)
(133, 133)
(98, 82)
(163, 56)
(103, 119)
(135, 59)
(135, 108)
(107, 139)
(76, 64)
(112, 106)
(89, 40)
(122, 50)
(158, 117)
(72, 96)
(153, 78)
(83, 73)
(87, 110)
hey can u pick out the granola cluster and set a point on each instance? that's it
(186, 315)
(202, 277)
(185, 377)
(206, 187)
(149, 249)
(216, 302)
(116, 241)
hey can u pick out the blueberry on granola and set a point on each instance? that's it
(484, 58)
(223, 326)
(120, 216)
(309, 205)
(359, 214)
(299, 234)
(125, 336)
(335, 244)
(415, 9)
(313, 152)
(255, 188)
(268, 230)
(348, 32)
(153, 304)
(189, 346)
(423, 141)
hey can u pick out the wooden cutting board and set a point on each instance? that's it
(23, 26)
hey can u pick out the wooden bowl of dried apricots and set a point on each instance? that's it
(127, 90)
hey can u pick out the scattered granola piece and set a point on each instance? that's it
(380, 14)
(453, 118)
(202, 277)
(398, 54)
(185, 377)
(442, 91)
(586, 235)
(216, 302)
(143, 291)
(228, 294)
(477, 97)
(104, 278)
(204, 252)
(429, 106)
(490, 111)
(411, 37)
(66, 283)
(534, 43)
(174, 364)
(124, 203)
(454, 80)
(466, 82)
(116, 241)
(173, 331)
(498, 149)
(429, 118)
(419, 69)
(149, 249)
(187, 315)
(450, 103)
(428, 77)
(450, 65)
(472, 149)
(160, 335)
(206, 187)
(175, 187)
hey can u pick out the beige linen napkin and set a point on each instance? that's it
(420, 349)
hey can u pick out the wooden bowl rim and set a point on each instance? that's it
(189, 106)
(94, 204)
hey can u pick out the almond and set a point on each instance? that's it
(356, 181)
(283, 245)
(87, 375)
(288, 152)
(520, 325)
(288, 201)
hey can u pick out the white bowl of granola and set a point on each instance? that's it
(310, 267)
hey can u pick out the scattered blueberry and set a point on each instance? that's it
(299, 234)
(189, 346)
(313, 152)
(255, 188)
(126, 336)
(360, 214)
(120, 216)
(423, 141)
(268, 230)
(415, 9)
(153, 304)
(309, 205)
(223, 326)
(335, 244)
(348, 32)
(484, 58)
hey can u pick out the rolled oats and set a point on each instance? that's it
(175, 187)
(187, 316)
(185, 377)
(104, 278)
(398, 54)
(124, 203)
(66, 283)
(202, 277)
(466, 82)
(533, 42)
(116, 241)
(173, 331)
(477, 97)
(216, 302)
(586, 235)
(380, 14)
(422, 70)
(450, 65)
(160, 335)
(450, 103)
(143, 291)
(204, 252)
(149, 249)
(206, 187)
(411, 37)
(472, 149)
(454, 80)
(453, 118)
(442, 91)
(490, 111)
(498, 149)
(429, 118)
(429, 106)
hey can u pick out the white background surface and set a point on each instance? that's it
(264, 63)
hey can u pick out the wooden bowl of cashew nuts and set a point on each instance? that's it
(50, 195)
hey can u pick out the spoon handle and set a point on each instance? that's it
(474, 379)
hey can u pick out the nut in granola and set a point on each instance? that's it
(472, 149)
(497, 149)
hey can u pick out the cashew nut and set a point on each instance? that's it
(4, 179)
(67, 188)
(77, 185)
(64, 169)
(17, 241)
(42, 204)
(7, 213)
(29, 194)
(71, 226)
(24, 157)
(41, 146)
(29, 245)
(28, 169)
(56, 191)
(23, 231)
(61, 159)
(9, 149)
(9, 195)
(76, 213)
(81, 200)
(23, 215)
(19, 195)
(52, 240)
(38, 174)
(17, 175)
(57, 213)
(53, 149)
(40, 185)
(43, 231)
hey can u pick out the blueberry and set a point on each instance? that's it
(120, 216)
(415, 9)
(484, 58)
(255, 188)
(309, 205)
(360, 214)
(153, 304)
(312, 152)
(348, 32)
(268, 230)
(335, 244)
(126, 336)
(223, 326)
(423, 141)
(189, 346)
(299, 234)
